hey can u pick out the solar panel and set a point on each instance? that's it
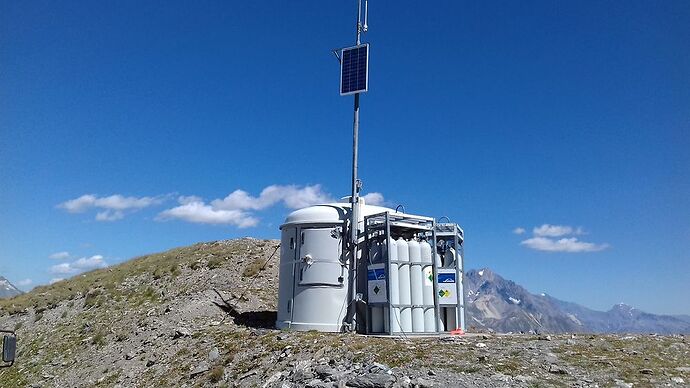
(354, 70)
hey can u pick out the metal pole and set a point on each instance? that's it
(354, 200)
(355, 142)
(355, 189)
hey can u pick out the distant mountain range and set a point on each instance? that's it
(7, 289)
(501, 305)
(495, 303)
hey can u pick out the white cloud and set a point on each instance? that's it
(80, 265)
(189, 199)
(373, 199)
(59, 255)
(545, 238)
(571, 245)
(199, 212)
(114, 206)
(55, 280)
(79, 205)
(239, 206)
(292, 196)
(92, 262)
(110, 215)
(25, 282)
(548, 230)
(61, 268)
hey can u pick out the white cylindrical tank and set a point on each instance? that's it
(404, 284)
(311, 271)
(439, 319)
(449, 257)
(314, 272)
(394, 314)
(451, 319)
(428, 287)
(416, 285)
(376, 251)
(425, 251)
(377, 324)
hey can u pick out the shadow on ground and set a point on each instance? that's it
(256, 319)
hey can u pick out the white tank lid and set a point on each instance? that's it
(330, 213)
(318, 214)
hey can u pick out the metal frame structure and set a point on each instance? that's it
(455, 234)
(390, 225)
(386, 225)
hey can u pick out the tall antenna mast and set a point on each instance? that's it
(354, 79)
(356, 183)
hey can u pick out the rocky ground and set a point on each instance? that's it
(161, 320)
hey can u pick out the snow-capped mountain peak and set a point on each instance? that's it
(7, 289)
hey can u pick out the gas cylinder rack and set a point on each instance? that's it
(451, 293)
(401, 283)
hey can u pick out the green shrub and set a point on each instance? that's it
(158, 273)
(253, 268)
(150, 294)
(215, 262)
(98, 339)
(92, 298)
(216, 374)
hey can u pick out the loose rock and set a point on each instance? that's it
(372, 380)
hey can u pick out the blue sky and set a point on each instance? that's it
(125, 127)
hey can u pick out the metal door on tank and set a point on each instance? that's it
(286, 289)
(319, 262)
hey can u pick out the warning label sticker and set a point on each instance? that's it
(447, 291)
(428, 276)
(376, 274)
(376, 283)
(446, 277)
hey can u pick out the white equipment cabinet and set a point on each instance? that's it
(395, 254)
(314, 267)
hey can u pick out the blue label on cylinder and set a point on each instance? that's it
(376, 274)
(446, 278)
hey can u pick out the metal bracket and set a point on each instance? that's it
(336, 52)
(308, 260)
(359, 298)
(337, 232)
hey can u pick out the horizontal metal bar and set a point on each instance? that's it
(425, 306)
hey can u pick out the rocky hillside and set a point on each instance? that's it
(202, 315)
(7, 289)
(501, 305)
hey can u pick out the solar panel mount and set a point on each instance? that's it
(354, 69)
